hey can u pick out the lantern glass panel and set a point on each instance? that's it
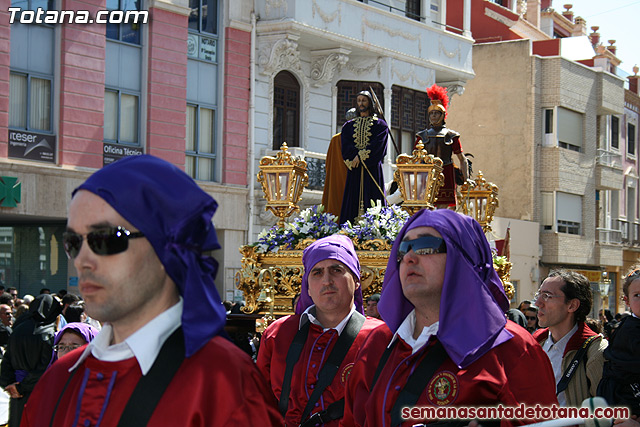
(284, 186)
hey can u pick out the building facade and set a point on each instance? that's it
(209, 85)
(542, 118)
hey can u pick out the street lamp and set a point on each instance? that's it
(283, 178)
(419, 179)
(479, 200)
(604, 285)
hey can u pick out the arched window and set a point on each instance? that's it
(286, 110)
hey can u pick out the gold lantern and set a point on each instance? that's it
(419, 178)
(283, 178)
(479, 200)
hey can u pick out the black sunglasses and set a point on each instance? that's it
(531, 317)
(425, 245)
(107, 241)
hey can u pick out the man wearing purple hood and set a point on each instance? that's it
(307, 358)
(447, 342)
(141, 227)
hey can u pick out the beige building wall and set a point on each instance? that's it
(496, 117)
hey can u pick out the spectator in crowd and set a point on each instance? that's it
(74, 335)
(372, 306)
(75, 313)
(299, 354)
(141, 227)
(22, 309)
(28, 299)
(620, 384)
(446, 341)
(45, 291)
(531, 314)
(28, 353)
(524, 305)
(13, 292)
(7, 299)
(6, 322)
(516, 317)
(564, 300)
(594, 324)
(227, 306)
(608, 322)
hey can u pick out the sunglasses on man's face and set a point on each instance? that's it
(425, 245)
(106, 241)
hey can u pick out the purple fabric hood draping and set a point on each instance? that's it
(174, 214)
(473, 301)
(336, 247)
(85, 330)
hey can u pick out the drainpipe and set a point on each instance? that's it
(252, 115)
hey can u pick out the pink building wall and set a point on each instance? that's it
(167, 86)
(236, 106)
(5, 60)
(82, 68)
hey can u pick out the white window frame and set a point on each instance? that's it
(119, 113)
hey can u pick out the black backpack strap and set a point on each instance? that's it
(571, 369)
(417, 382)
(292, 358)
(331, 366)
(152, 386)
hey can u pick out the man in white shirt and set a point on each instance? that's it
(447, 341)
(139, 227)
(327, 331)
(564, 300)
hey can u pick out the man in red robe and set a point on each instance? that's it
(327, 330)
(136, 233)
(446, 342)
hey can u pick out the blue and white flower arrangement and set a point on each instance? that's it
(378, 222)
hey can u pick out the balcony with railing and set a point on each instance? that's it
(609, 174)
(377, 28)
(609, 236)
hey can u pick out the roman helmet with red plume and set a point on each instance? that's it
(439, 100)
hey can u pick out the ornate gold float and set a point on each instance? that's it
(270, 279)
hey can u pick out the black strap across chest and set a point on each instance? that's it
(417, 381)
(329, 369)
(572, 368)
(152, 386)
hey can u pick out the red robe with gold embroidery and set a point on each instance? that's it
(217, 386)
(517, 371)
(272, 362)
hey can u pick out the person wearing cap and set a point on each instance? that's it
(336, 172)
(307, 357)
(140, 227)
(364, 145)
(443, 142)
(446, 341)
